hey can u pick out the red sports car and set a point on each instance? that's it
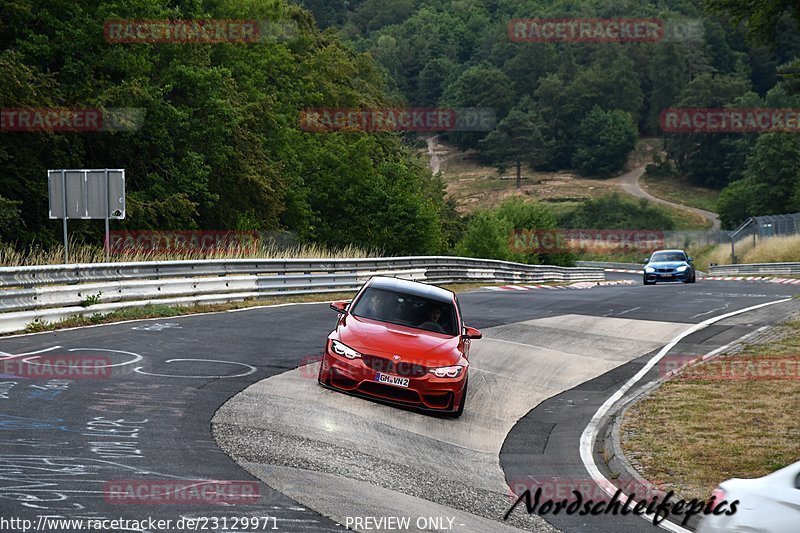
(403, 342)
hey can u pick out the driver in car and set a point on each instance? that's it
(432, 323)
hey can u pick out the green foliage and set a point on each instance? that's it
(92, 299)
(486, 235)
(709, 159)
(490, 234)
(770, 184)
(10, 221)
(614, 211)
(517, 138)
(221, 145)
(604, 140)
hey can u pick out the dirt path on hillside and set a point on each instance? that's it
(629, 182)
(434, 157)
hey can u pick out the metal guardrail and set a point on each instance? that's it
(776, 269)
(53, 292)
(610, 264)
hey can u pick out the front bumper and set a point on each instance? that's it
(426, 392)
(668, 276)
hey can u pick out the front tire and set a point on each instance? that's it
(645, 282)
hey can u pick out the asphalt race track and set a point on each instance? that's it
(548, 360)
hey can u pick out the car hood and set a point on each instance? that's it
(666, 264)
(412, 345)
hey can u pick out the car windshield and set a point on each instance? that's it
(667, 256)
(407, 310)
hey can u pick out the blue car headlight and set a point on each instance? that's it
(649, 270)
(682, 268)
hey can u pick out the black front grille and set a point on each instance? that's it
(389, 392)
(665, 270)
(381, 364)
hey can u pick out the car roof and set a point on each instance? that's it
(680, 251)
(412, 287)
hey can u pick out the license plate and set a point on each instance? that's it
(391, 380)
(666, 275)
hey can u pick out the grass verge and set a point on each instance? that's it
(679, 190)
(733, 416)
(783, 249)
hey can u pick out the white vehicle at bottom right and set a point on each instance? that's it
(769, 504)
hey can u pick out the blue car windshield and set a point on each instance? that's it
(667, 256)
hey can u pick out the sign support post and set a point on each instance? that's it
(64, 205)
(107, 242)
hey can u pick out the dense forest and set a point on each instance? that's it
(221, 146)
(580, 105)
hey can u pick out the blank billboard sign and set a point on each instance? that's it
(87, 194)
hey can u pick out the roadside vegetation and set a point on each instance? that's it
(780, 249)
(702, 428)
(679, 190)
(80, 252)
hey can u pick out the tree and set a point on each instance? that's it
(764, 22)
(705, 157)
(516, 139)
(479, 86)
(770, 183)
(604, 140)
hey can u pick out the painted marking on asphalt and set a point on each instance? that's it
(711, 311)
(590, 433)
(12, 356)
(139, 370)
(136, 356)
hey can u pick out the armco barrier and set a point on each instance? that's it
(769, 269)
(610, 264)
(53, 292)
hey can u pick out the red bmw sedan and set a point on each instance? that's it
(402, 342)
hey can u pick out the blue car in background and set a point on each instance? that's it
(668, 265)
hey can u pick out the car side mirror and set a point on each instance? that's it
(472, 333)
(646, 260)
(689, 259)
(340, 307)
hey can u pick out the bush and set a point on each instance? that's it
(487, 236)
(613, 211)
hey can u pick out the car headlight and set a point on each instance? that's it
(447, 371)
(649, 270)
(682, 268)
(339, 348)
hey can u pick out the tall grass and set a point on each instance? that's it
(768, 250)
(86, 253)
